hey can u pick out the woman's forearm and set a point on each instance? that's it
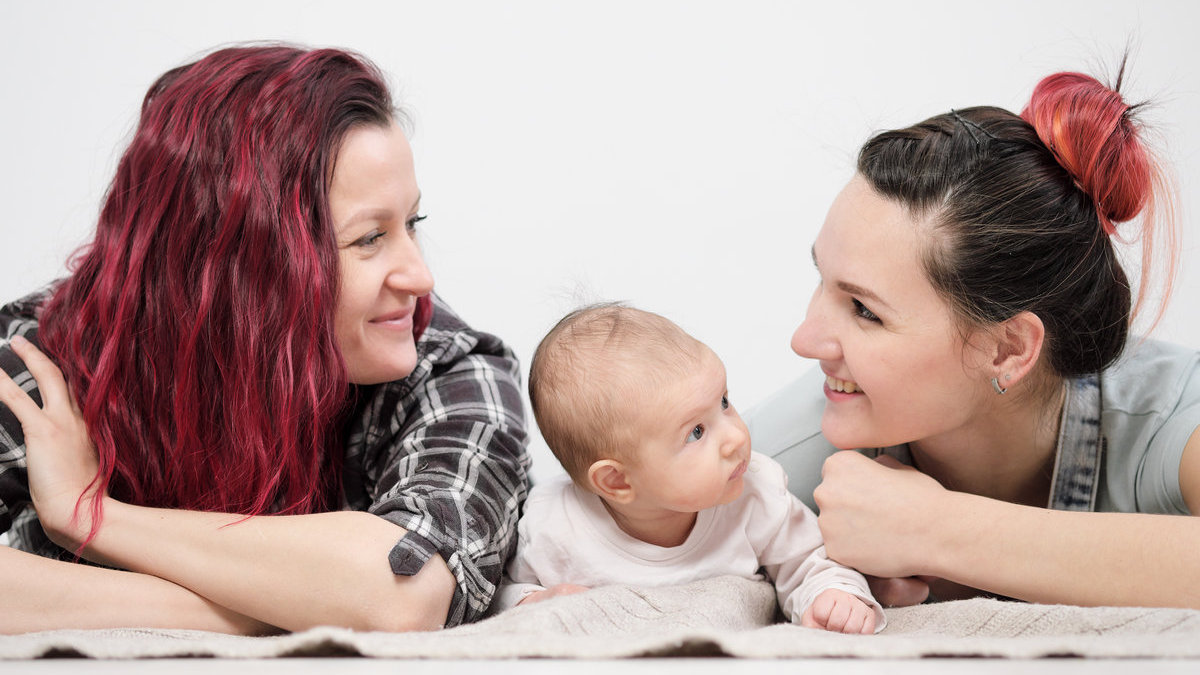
(893, 521)
(1067, 557)
(44, 594)
(294, 572)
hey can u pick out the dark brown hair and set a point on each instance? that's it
(1015, 229)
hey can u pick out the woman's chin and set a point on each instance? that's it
(844, 435)
(380, 371)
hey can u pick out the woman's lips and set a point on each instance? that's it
(400, 319)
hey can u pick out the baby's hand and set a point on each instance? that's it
(839, 611)
(553, 591)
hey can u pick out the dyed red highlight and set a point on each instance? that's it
(197, 327)
(1091, 131)
(1084, 123)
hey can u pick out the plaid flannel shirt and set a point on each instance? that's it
(441, 453)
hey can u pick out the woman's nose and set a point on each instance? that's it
(814, 338)
(409, 272)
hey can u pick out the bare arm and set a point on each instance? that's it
(896, 522)
(44, 594)
(1072, 557)
(293, 572)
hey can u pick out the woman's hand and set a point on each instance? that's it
(877, 516)
(899, 591)
(60, 458)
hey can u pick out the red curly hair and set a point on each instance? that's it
(197, 328)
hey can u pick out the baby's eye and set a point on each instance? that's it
(696, 434)
(862, 311)
(725, 402)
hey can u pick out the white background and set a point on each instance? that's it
(677, 155)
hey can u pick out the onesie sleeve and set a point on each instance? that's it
(520, 577)
(791, 550)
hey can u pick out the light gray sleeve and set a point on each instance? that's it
(787, 428)
(1151, 407)
(1158, 485)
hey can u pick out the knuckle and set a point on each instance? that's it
(838, 459)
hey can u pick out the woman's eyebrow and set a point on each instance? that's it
(375, 213)
(854, 289)
(369, 213)
(863, 293)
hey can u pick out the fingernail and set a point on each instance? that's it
(19, 340)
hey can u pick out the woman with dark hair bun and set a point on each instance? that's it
(972, 330)
(245, 404)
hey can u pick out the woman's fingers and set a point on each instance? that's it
(18, 401)
(60, 460)
(892, 463)
(49, 378)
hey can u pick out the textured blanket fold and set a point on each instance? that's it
(724, 616)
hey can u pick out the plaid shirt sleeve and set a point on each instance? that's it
(18, 318)
(442, 454)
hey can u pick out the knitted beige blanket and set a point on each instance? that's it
(724, 616)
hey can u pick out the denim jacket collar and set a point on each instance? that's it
(1080, 448)
(1077, 458)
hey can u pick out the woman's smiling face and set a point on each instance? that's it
(373, 200)
(897, 368)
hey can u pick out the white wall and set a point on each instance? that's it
(678, 155)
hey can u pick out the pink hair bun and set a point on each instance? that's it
(1089, 128)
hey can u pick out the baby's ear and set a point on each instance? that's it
(606, 478)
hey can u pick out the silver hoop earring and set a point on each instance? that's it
(996, 386)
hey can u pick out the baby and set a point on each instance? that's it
(663, 488)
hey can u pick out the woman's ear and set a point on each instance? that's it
(606, 478)
(1018, 346)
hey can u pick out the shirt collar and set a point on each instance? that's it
(1080, 448)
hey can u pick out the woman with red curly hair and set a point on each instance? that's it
(251, 411)
(972, 330)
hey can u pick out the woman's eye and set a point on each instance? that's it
(411, 224)
(861, 311)
(724, 403)
(696, 434)
(370, 240)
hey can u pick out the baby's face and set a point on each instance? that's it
(695, 447)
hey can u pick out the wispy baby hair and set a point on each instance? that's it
(593, 371)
